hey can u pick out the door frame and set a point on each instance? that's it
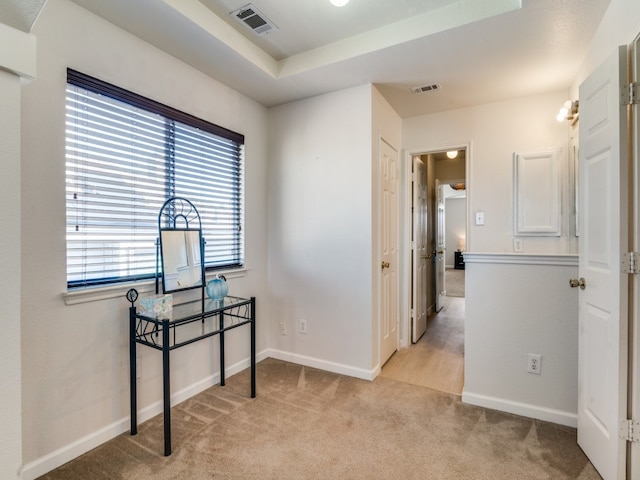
(633, 462)
(421, 252)
(405, 226)
(440, 251)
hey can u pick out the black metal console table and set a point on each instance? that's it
(215, 317)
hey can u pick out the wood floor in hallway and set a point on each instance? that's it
(437, 360)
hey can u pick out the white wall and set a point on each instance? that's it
(496, 131)
(451, 169)
(323, 227)
(499, 297)
(17, 67)
(320, 221)
(619, 26)
(516, 305)
(10, 280)
(455, 209)
(75, 357)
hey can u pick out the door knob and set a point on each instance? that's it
(385, 265)
(574, 282)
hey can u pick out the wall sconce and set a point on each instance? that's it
(452, 154)
(569, 111)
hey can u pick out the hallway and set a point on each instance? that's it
(437, 360)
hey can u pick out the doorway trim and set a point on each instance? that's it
(405, 233)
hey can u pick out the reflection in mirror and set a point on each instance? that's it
(181, 259)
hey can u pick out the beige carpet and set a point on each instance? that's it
(310, 424)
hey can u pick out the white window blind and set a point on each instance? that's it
(125, 156)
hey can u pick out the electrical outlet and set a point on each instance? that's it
(302, 326)
(534, 364)
(518, 245)
(283, 328)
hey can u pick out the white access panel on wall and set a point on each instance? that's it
(537, 193)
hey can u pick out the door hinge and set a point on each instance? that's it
(413, 244)
(629, 94)
(631, 262)
(630, 430)
(413, 313)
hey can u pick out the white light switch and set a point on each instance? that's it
(479, 218)
(518, 245)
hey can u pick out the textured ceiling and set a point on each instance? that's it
(478, 51)
(305, 25)
(20, 14)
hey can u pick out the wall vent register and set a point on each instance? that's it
(425, 88)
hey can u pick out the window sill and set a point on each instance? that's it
(95, 294)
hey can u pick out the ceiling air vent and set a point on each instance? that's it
(252, 18)
(425, 88)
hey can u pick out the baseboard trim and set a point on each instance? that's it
(59, 457)
(560, 417)
(324, 365)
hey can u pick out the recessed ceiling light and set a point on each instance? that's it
(452, 154)
(339, 3)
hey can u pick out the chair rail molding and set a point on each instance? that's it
(521, 259)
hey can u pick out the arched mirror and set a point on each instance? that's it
(181, 246)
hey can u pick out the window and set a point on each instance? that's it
(125, 156)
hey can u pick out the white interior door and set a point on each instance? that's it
(389, 282)
(421, 254)
(602, 372)
(439, 254)
(634, 302)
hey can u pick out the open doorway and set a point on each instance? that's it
(434, 353)
(455, 237)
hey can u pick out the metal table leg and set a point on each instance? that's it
(133, 373)
(222, 371)
(166, 385)
(253, 347)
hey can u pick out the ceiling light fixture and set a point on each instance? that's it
(452, 154)
(569, 111)
(339, 3)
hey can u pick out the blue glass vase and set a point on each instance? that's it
(217, 288)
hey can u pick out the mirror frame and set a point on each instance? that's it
(173, 252)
